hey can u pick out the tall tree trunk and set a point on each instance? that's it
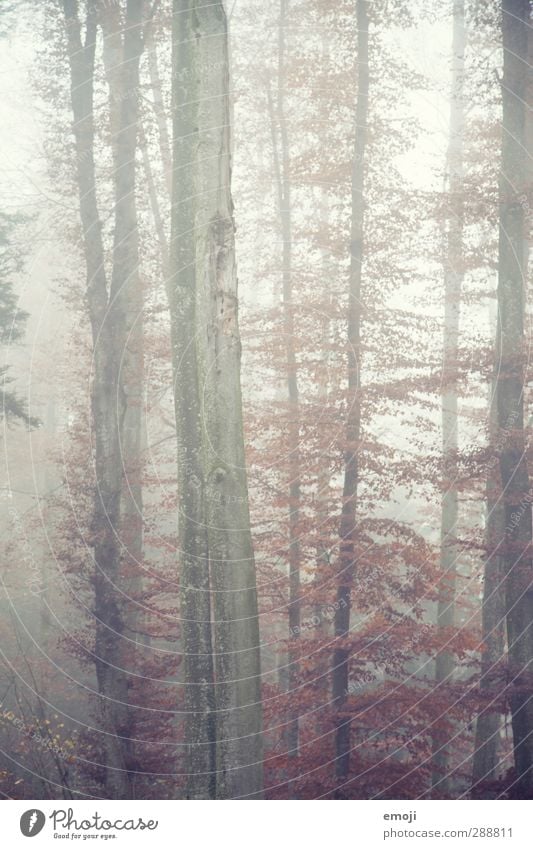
(346, 565)
(108, 318)
(237, 652)
(49, 481)
(510, 391)
(324, 473)
(292, 390)
(155, 206)
(159, 104)
(488, 723)
(126, 289)
(215, 532)
(453, 281)
(282, 165)
(121, 52)
(195, 600)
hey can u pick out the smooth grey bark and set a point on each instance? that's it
(237, 651)
(510, 391)
(346, 562)
(195, 599)
(453, 282)
(216, 544)
(488, 723)
(107, 311)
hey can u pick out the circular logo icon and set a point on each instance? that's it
(32, 822)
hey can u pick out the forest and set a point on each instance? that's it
(266, 399)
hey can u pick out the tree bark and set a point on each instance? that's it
(159, 106)
(346, 564)
(216, 544)
(121, 52)
(453, 281)
(237, 651)
(195, 599)
(324, 475)
(488, 723)
(107, 312)
(281, 152)
(510, 392)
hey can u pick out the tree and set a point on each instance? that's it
(209, 423)
(346, 565)
(510, 387)
(121, 52)
(182, 286)
(356, 458)
(453, 280)
(486, 743)
(12, 322)
(282, 167)
(108, 308)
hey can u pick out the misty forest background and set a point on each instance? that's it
(282, 550)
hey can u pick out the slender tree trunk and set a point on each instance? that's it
(510, 392)
(346, 564)
(488, 723)
(159, 105)
(121, 51)
(154, 202)
(112, 686)
(107, 310)
(453, 281)
(165, 148)
(321, 617)
(126, 288)
(237, 651)
(49, 480)
(324, 475)
(195, 600)
(282, 165)
(292, 389)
